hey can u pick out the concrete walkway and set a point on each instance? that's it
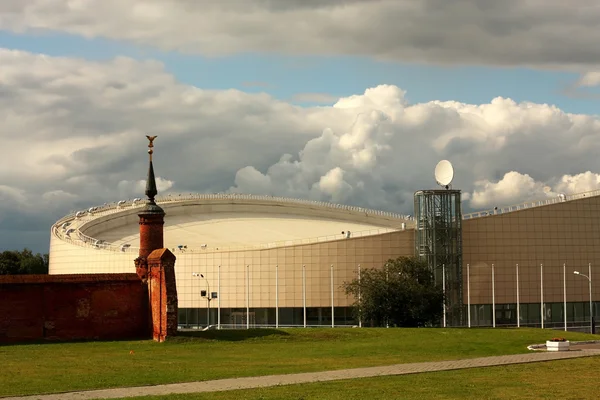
(290, 379)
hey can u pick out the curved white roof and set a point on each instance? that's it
(226, 222)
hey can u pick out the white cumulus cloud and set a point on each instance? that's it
(76, 133)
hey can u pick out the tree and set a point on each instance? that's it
(402, 293)
(14, 262)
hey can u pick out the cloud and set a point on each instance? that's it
(538, 33)
(76, 130)
(503, 152)
(589, 79)
(76, 133)
(131, 189)
(516, 188)
(511, 189)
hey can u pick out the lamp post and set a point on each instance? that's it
(208, 297)
(591, 307)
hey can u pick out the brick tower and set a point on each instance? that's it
(152, 217)
(155, 265)
(152, 220)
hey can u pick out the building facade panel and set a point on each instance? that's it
(541, 241)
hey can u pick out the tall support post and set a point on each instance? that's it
(277, 296)
(219, 297)
(542, 294)
(359, 301)
(518, 301)
(592, 322)
(247, 296)
(444, 292)
(493, 298)
(565, 294)
(304, 292)
(332, 300)
(468, 296)
(387, 272)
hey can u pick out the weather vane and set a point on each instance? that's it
(151, 145)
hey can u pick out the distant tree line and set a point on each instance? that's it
(14, 262)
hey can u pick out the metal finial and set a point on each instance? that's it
(151, 145)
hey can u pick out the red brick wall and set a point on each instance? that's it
(71, 307)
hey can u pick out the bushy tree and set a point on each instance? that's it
(14, 262)
(401, 293)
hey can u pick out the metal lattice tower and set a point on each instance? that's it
(438, 240)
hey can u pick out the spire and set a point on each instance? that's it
(151, 191)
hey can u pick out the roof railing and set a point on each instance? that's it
(84, 240)
(532, 204)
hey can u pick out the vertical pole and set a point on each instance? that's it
(207, 304)
(277, 296)
(444, 292)
(387, 321)
(493, 298)
(247, 296)
(304, 292)
(469, 295)
(542, 293)
(219, 297)
(332, 319)
(518, 301)
(565, 294)
(359, 301)
(592, 327)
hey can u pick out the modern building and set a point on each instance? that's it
(270, 261)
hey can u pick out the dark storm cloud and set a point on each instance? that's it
(77, 135)
(538, 33)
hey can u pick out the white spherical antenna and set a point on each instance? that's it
(444, 172)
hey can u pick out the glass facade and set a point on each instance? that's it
(438, 240)
(578, 315)
(240, 318)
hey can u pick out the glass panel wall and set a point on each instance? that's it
(239, 318)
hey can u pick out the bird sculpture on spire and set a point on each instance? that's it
(151, 145)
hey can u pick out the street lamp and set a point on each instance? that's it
(207, 296)
(588, 277)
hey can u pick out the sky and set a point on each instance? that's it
(348, 101)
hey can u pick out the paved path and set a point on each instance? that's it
(275, 380)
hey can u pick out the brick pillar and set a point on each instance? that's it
(151, 230)
(152, 219)
(162, 292)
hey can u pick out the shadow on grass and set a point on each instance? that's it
(52, 341)
(228, 335)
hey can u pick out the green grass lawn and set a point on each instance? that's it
(566, 379)
(46, 368)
